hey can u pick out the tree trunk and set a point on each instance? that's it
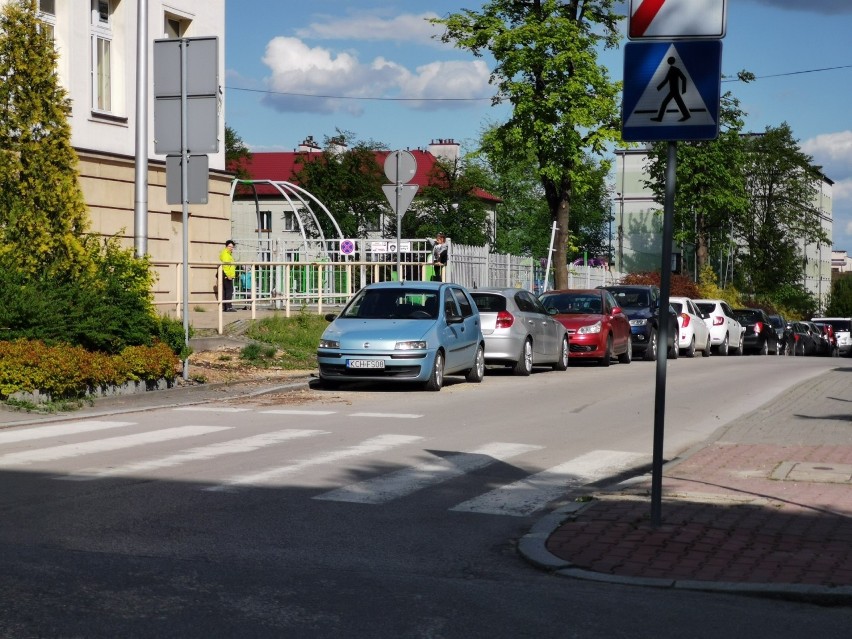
(560, 244)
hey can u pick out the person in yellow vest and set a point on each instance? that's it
(229, 272)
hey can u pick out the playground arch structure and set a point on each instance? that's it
(312, 270)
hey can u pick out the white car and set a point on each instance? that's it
(726, 333)
(693, 333)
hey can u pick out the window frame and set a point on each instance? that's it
(101, 70)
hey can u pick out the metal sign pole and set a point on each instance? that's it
(184, 189)
(663, 339)
(398, 218)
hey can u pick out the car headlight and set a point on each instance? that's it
(638, 322)
(329, 343)
(589, 329)
(418, 345)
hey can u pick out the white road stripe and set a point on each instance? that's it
(43, 432)
(65, 451)
(211, 409)
(391, 415)
(409, 480)
(268, 476)
(524, 497)
(200, 453)
(298, 412)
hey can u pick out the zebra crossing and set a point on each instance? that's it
(49, 444)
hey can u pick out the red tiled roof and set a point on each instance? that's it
(281, 166)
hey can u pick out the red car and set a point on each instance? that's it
(597, 327)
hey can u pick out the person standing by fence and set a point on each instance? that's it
(439, 256)
(229, 272)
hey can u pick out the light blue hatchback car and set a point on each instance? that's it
(413, 332)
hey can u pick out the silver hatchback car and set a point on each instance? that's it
(519, 332)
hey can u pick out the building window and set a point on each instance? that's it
(174, 26)
(102, 36)
(47, 16)
(289, 221)
(265, 221)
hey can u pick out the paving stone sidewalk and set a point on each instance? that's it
(765, 506)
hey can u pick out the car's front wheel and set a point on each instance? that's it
(627, 356)
(764, 348)
(607, 355)
(722, 348)
(651, 348)
(475, 374)
(436, 379)
(562, 363)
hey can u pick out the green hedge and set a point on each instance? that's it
(66, 372)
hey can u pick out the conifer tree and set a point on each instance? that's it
(43, 216)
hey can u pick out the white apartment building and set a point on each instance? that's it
(98, 64)
(638, 230)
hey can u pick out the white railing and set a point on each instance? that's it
(331, 280)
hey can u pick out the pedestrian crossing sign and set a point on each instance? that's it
(671, 90)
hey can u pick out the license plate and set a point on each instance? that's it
(365, 363)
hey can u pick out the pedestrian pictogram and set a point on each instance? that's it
(672, 19)
(671, 91)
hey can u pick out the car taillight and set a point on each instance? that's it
(758, 327)
(685, 319)
(718, 320)
(505, 319)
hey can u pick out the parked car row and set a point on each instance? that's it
(418, 332)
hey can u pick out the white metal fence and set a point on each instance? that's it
(279, 276)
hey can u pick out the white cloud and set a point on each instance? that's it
(454, 80)
(406, 28)
(317, 80)
(833, 149)
(842, 190)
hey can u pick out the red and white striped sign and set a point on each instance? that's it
(673, 19)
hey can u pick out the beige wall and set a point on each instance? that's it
(107, 182)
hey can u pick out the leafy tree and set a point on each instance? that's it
(523, 224)
(710, 183)
(348, 183)
(840, 302)
(564, 105)
(451, 202)
(59, 284)
(236, 154)
(43, 215)
(523, 218)
(781, 184)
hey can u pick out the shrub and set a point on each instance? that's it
(681, 286)
(64, 371)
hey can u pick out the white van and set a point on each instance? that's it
(842, 331)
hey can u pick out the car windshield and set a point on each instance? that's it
(776, 321)
(627, 298)
(576, 303)
(393, 303)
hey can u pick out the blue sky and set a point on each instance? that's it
(295, 69)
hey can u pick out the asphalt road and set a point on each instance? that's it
(366, 512)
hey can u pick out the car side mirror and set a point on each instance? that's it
(330, 317)
(553, 311)
(616, 310)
